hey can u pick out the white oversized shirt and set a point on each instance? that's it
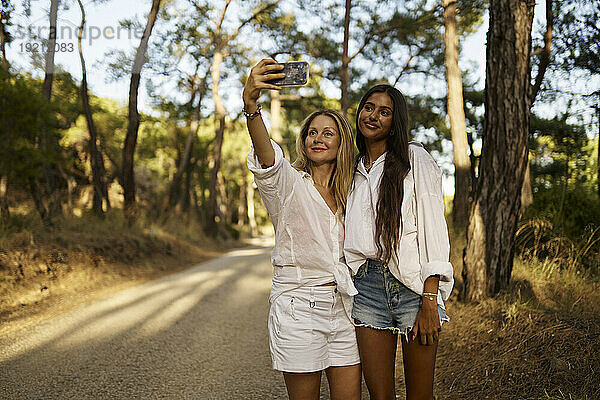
(308, 236)
(424, 248)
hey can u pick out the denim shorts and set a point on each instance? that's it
(383, 302)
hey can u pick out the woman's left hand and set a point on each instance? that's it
(427, 326)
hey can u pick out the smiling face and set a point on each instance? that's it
(322, 140)
(376, 117)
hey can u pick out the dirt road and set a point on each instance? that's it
(198, 334)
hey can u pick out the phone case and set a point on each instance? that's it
(296, 74)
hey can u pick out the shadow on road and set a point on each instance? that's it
(197, 334)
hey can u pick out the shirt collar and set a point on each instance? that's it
(361, 164)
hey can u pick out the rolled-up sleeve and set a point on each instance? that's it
(432, 231)
(275, 182)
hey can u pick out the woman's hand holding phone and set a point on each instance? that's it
(259, 78)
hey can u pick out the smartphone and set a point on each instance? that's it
(296, 74)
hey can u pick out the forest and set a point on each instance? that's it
(155, 178)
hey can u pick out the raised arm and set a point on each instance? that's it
(259, 75)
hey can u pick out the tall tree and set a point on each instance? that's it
(173, 195)
(494, 213)
(185, 43)
(345, 68)
(544, 53)
(4, 20)
(49, 60)
(47, 141)
(133, 116)
(4, 35)
(223, 40)
(96, 160)
(456, 113)
(4, 211)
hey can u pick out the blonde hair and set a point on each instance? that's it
(343, 170)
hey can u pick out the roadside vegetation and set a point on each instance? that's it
(538, 339)
(50, 268)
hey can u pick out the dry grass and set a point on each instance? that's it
(537, 239)
(540, 339)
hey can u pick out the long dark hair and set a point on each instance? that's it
(395, 168)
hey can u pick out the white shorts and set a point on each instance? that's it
(309, 331)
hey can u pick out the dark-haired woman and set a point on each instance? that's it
(310, 330)
(397, 247)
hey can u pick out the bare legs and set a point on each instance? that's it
(344, 383)
(419, 365)
(303, 386)
(377, 350)
(378, 354)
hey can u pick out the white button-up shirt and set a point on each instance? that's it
(308, 236)
(424, 248)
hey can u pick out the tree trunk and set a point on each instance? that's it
(186, 195)
(48, 145)
(70, 188)
(3, 48)
(473, 160)
(36, 194)
(345, 69)
(174, 187)
(456, 112)
(276, 99)
(276, 117)
(49, 66)
(546, 52)
(598, 144)
(4, 212)
(133, 117)
(96, 161)
(250, 207)
(526, 190)
(212, 209)
(224, 202)
(488, 258)
(242, 203)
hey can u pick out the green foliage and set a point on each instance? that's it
(427, 120)
(559, 152)
(577, 37)
(561, 226)
(572, 211)
(23, 112)
(388, 39)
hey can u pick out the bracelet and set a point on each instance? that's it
(430, 296)
(254, 114)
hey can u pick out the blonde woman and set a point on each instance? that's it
(310, 330)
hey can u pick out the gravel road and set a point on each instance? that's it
(197, 334)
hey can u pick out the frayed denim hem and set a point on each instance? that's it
(393, 329)
(396, 331)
